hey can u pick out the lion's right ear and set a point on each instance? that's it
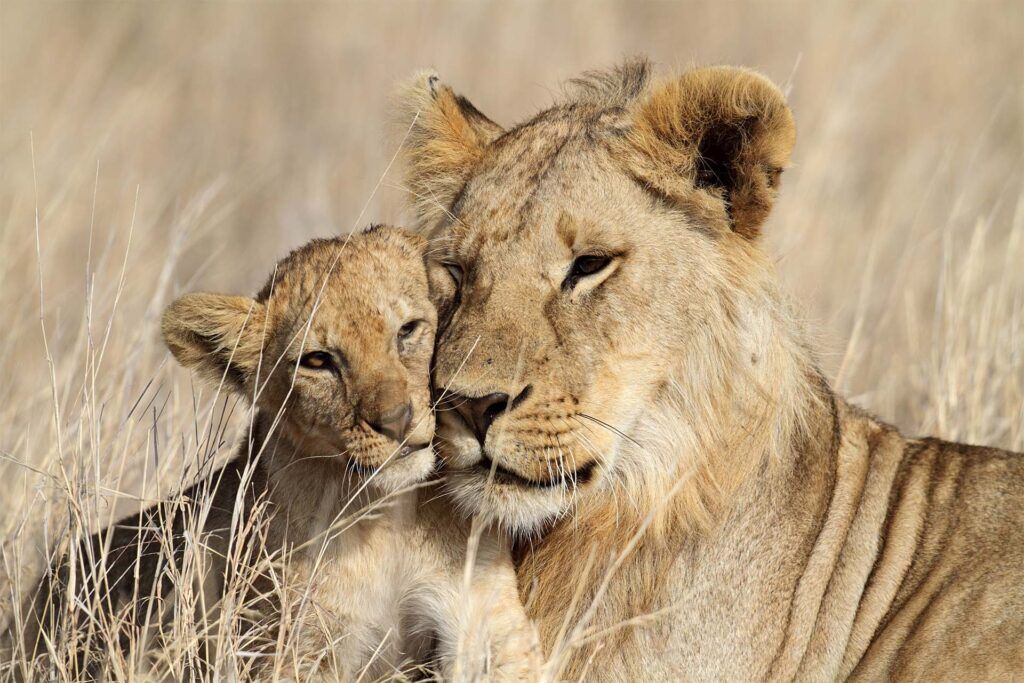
(446, 136)
(217, 335)
(723, 131)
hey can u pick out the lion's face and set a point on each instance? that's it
(336, 350)
(354, 331)
(584, 283)
(568, 316)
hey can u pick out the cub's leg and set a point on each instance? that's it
(495, 638)
(483, 632)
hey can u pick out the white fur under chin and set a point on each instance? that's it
(519, 510)
(401, 473)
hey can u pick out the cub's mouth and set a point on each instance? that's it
(394, 468)
(407, 450)
(393, 458)
(500, 475)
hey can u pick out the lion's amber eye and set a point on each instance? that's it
(317, 360)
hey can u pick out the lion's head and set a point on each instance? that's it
(335, 350)
(606, 262)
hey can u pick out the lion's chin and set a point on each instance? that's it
(518, 509)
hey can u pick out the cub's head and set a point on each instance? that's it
(338, 342)
(605, 258)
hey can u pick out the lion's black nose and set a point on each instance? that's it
(480, 412)
(393, 423)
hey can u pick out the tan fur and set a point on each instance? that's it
(368, 565)
(739, 520)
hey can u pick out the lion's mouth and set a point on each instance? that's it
(500, 475)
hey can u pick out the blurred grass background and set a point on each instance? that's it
(155, 148)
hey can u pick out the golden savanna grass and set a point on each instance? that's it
(151, 149)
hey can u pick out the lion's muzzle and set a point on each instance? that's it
(515, 444)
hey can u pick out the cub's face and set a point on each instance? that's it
(337, 347)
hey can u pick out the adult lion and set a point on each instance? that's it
(630, 395)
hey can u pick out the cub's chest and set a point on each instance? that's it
(349, 585)
(362, 571)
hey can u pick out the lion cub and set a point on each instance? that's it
(334, 353)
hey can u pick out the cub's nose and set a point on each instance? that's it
(393, 423)
(480, 412)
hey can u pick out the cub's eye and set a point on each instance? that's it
(317, 360)
(455, 270)
(584, 266)
(406, 330)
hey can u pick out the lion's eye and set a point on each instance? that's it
(455, 270)
(588, 265)
(317, 360)
(584, 266)
(407, 330)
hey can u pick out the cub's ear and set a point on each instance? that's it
(446, 137)
(216, 335)
(727, 131)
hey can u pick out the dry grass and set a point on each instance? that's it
(150, 149)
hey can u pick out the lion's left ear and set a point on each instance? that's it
(725, 131)
(446, 136)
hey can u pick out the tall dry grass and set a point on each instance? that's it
(148, 149)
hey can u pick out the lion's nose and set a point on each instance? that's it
(393, 423)
(480, 412)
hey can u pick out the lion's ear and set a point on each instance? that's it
(446, 136)
(216, 335)
(726, 130)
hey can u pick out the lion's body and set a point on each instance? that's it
(694, 501)
(859, 555)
